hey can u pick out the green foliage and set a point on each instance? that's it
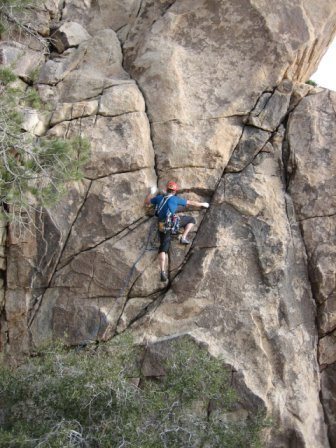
(9, 9)
(32, 99)
(34, 75)
(6, 75)
(311, 83)
(33, 170)
(63, 398)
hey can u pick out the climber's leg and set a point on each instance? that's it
(165, 239)
(186, 222)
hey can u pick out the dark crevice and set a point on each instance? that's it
(151, 307)
(72, 225)
(139, 9)
(4, 334)
(118, 172)
(119, 115)
(122, 233)
(182, 167)
(188, 123)
(36, 306)
(62, 10)
(283, 123)
(125, 289)
(94, 115)
(317, 216)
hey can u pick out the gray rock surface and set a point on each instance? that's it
(328, 382)
(69, 34)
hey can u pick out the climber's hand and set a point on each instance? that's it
(205, 204)
(153, 190)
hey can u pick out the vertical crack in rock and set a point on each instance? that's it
(38, 302)
(62, 10)
(293, 172)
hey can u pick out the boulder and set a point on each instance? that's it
(312, 185)
(48, 95)
(199, 92)
(252, 141)
(55, 70)
(121, 99)
(327, 349)
(100, 67)
(268, 114)
(69, 34)
(92, 285)
(184, 149)
(23, 61)
(70, 111)
(81, 322)
(33, 255)
(94, 16)
(35, 122)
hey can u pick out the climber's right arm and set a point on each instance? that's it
(198, 204)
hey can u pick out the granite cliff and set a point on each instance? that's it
(211, 94)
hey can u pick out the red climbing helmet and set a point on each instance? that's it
(172, 186)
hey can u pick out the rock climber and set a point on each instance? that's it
(169, 223)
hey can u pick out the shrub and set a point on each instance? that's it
(33, 170)
(88, 398)
(11, 10)
(311, 83)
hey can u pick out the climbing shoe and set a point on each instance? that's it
(164, 277)
(184, 241)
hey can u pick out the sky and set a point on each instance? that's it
(325, 76)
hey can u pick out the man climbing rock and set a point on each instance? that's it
(168, 222)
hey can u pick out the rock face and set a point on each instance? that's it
(312, 185)
(209, 94)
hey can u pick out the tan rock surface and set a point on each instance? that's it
(121, 99)
(20, 59)
(327, 349)
(201, 146)
(69, 34)
(55, 70)
(100, 62)
(97, 280)
(204, 69)
(70, 111)
(312, 160)
(173, 42)
(97, 15)
(131, 311)
(312, 185)
(238, 281)
(105, 213)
